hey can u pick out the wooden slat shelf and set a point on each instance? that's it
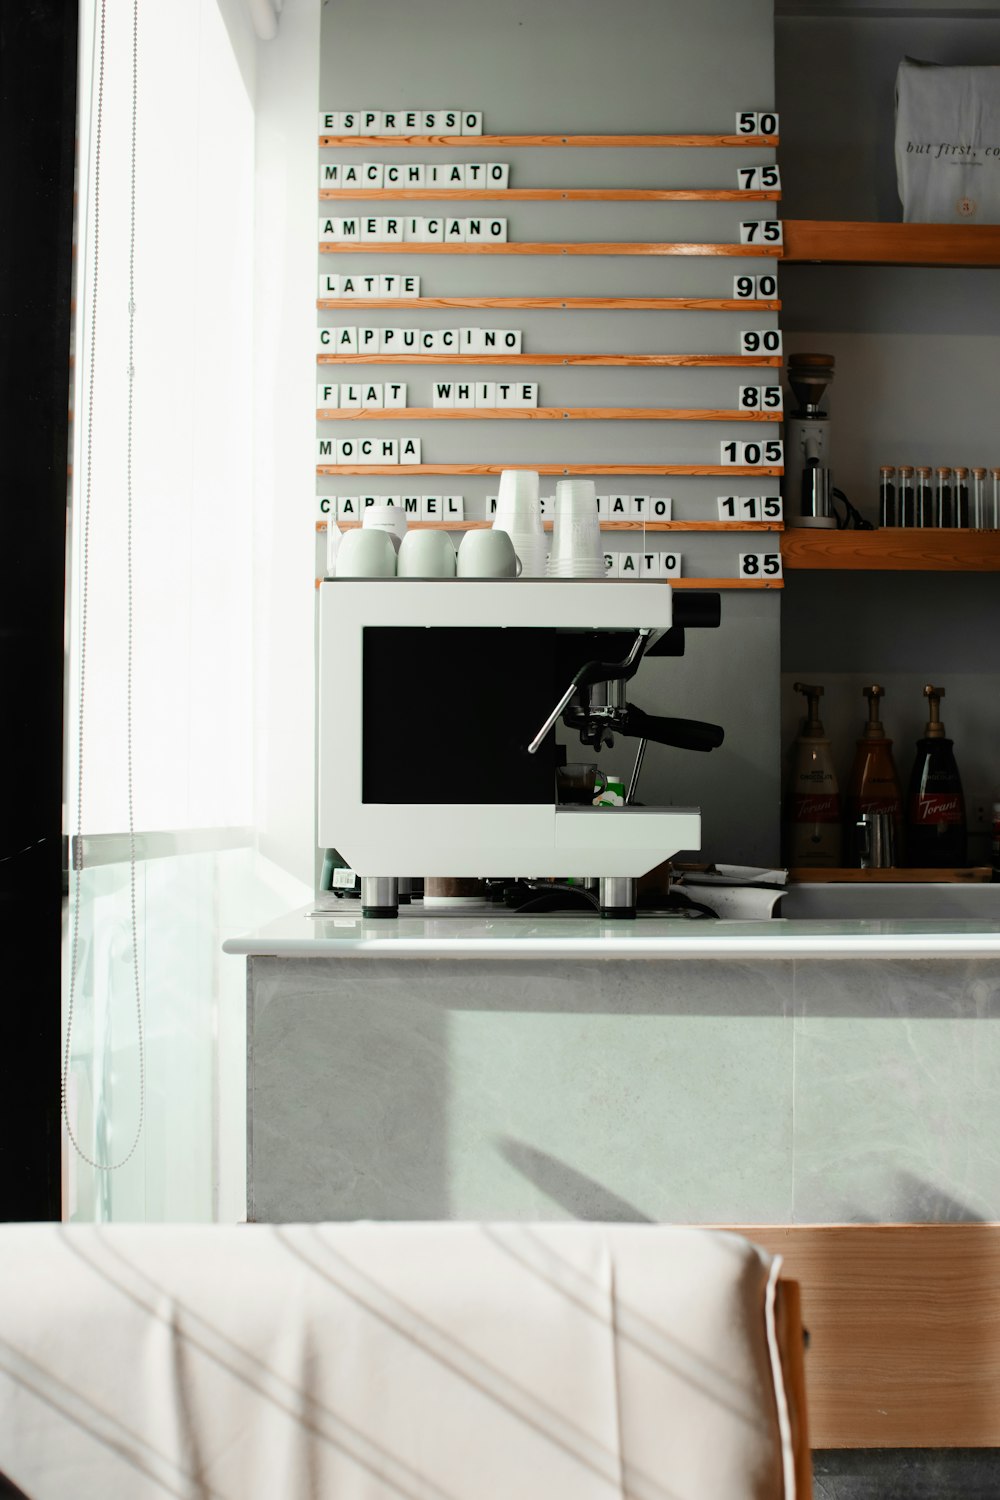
(864, 243)
(728, 361)
(720, 471)
(540, 414)
(546, 247)
(560, 304)
(552, 195)
(469, 141)
(726, 583)
(891, 550)
(688, 583)
(641, 526)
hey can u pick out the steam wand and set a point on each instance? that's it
(633, 780)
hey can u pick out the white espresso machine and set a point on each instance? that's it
(437, 706)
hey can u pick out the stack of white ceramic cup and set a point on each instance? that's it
(388, 518)
(519, 514)
(576, 535)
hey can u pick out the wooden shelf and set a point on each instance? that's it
(470, 141)
(559, 304)
(551, 195)
(677, 583)
(726, 583)
(720, 471)
(539, 414)
(641, 526)
(728, 361)
(860, 243)
(546, 247)
(891, 550)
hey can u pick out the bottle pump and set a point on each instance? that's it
(937, 832)
(874, 786)
(813, 832)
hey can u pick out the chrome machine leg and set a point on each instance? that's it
(617, 897)
(379, 896)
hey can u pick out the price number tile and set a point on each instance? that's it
(760, 398)
(760, 341)
(760, 564)
(754, 179)
(749, 507)
(760, 232)
(757, 122)
(771, 451)
(764, 287)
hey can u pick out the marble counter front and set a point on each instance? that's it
(672, 1070)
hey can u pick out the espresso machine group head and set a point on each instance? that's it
(437, 708)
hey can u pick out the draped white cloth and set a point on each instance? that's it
(389, 1362)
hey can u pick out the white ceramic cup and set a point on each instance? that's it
(388, 518)
(487, 554)
(426, 554)
(366, 554)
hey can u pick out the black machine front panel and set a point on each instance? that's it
(448, 714)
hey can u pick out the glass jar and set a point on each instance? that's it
(923, 503)
(992, 522)
(961, 497)
(887, 514)
(977, 499)
(904, 496)
(944, 506)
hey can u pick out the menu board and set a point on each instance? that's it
(601, 304)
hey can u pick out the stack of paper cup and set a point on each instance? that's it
(519, 513)
(576, 535)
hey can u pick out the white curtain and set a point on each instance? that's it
(206, 602)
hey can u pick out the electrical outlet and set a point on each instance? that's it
(979, 811)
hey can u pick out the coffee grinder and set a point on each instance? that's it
(808, 441)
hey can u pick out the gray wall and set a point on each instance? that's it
(644, 66)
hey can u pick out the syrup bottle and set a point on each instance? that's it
(874, 784)
(936, 832)
(813, 833)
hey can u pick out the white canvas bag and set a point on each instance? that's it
(948, 143)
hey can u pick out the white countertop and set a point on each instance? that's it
(344, 933)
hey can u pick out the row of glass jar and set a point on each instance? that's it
(924, 496)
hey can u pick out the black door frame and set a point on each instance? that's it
(38, 91)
